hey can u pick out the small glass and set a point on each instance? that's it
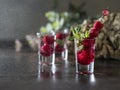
(46, 53)
(84, 56)
(61, 49)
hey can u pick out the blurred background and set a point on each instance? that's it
(21, 17)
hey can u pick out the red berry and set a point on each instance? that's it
(105, 12)
(98, 25)
(79, 52)
(61, 36)
(48, 39)
(93, 33)
(85, 57)
(88, 51)
(88, 43)
(46, 50)
(59, 48)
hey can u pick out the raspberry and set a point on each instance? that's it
(46, 50)
(85, 57)
(48, 39)
(98, 25)
(93, 33)
(59, 48)
(61, 36)
(88, 43)
(105, 12)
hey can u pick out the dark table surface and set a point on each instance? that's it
(20, 71)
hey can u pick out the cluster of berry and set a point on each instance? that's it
(86, 55)
(60, 47)
(47, 48)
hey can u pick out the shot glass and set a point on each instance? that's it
(46, 52)
(84, 56)
(61, 49)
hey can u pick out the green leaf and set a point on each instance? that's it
(86, 34)
(56, 25)
(49, 26)
(43, 29)
(60, 42)
(52, 16)
(76, 35)
(71, 38)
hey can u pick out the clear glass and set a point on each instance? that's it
(61, 49)
(46, 52)
(84, 56)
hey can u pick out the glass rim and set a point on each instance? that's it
(86, 39)
(43, 34)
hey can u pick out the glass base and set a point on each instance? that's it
(42, 60)
(85, 69)
(61, 56)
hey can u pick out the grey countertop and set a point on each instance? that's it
(20, 71)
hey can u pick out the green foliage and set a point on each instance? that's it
(78, 33)
(58, 21)
(60, 42)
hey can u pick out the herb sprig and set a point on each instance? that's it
(78, 33)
